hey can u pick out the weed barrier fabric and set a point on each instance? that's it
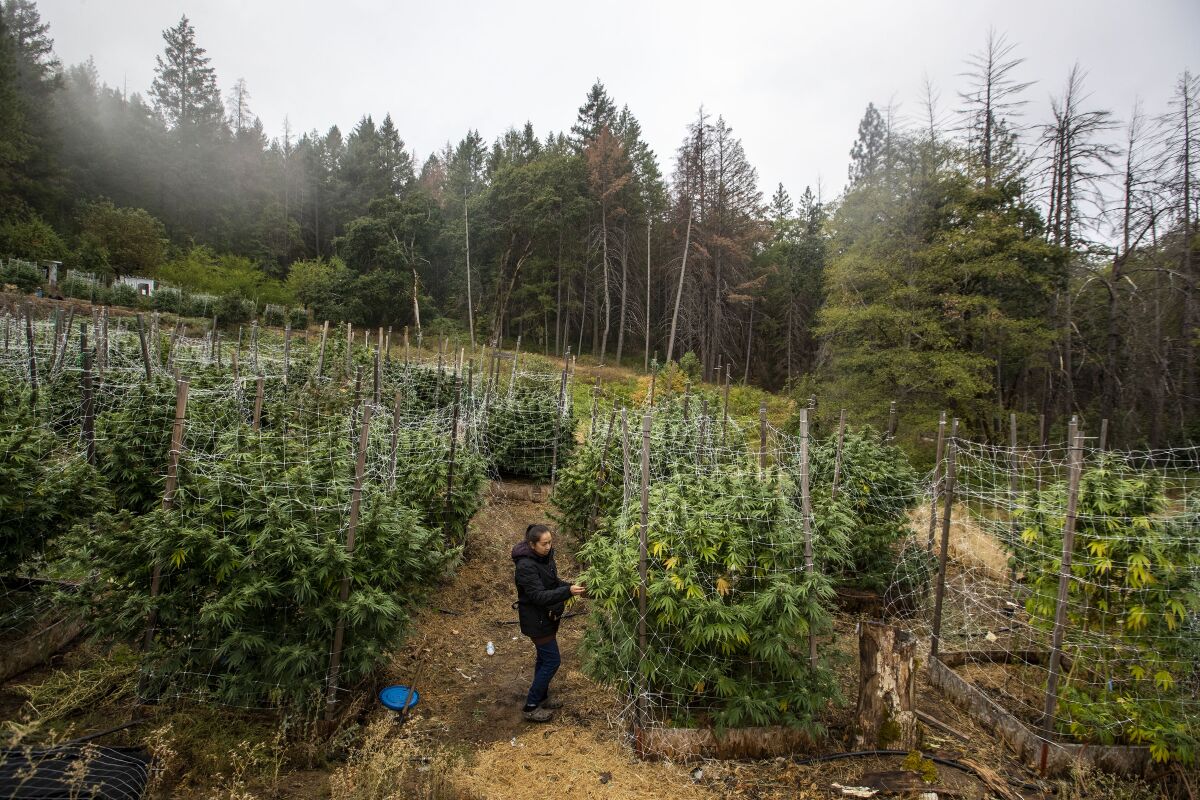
(73, 772)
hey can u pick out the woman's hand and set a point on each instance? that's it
(577, 590)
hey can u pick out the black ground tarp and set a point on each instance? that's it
(73, 771)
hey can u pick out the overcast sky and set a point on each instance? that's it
(791, 78)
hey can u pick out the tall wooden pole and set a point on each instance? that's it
(937, 478)
(33, 379)
(643, 568)
(806, 510)
(453, 450)
(395, 442)
(558, 415)
(168, 498)
(891, 429)
(339, 633)
(837, 458)
(145, 349)
(1075, 460)
(258, 403)
(725, 409)
(321, 353)
(762, 438)
(287, 350)
(940, 593)
(88, 430)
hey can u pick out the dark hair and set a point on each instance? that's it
(533, 533)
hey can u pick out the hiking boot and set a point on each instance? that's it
(551, 702)
(539, 714)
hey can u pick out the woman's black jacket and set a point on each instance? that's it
(541, 596)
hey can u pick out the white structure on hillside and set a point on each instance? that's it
(144, 286)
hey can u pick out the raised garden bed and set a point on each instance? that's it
(1030, 744)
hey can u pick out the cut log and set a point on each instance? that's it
(886, 716)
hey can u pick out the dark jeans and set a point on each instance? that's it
(544, 668)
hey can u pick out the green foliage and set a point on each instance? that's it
(1136, 588)
(520, 428)
(126, 241)
(729, 607)
(689, 365)
(22, 274)
(422, 467)
(590, 486)
(133, 441)
(201, 270)
(45, 488)
(251, 562)
(122, 294)
(31, 238)
(233, 308)
(879, 485)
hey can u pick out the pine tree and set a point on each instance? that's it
(597, 111)
(185, 86)
(866, 155)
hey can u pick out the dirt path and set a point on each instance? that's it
(471, 702)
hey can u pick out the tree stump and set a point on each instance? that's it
(886, 716)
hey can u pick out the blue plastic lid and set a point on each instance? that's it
(395, 697)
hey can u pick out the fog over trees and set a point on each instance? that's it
(989, 252)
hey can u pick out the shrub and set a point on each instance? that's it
(274, 315)
(729, 609)
(520, 430)
(233, 309)
(22, 274)
(880, 485)
(689, 365)
(251, 560)
(44, 488)
(122, 294)
(298, 318)
(1137, 589)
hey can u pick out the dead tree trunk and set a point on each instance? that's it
(886, 716)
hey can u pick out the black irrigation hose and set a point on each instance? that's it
(945, 762)
(104, 732)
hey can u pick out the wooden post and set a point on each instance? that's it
(254, 345)
(171, 345)
(512, 380)
(450, 466)
(891, 429)
(339, 634)
(378, 384)
(643, 568)
(886, 717)
(321, 353)
(168, 498)
(88, 429)
(653, 380)
(837, 458)
(145, 350)
(1014, 464)
(1042, 432)
(1103, 434)
(762, 437)
(406, 345)
(595, 401)
(287, 350)
(687, 400)
(725, 410)
(806, 512)
(395, 442)
(1075, 458)
(258, 402)
(935, 639)
(562, 390)
(701, 432)
(387, 346)
(937, 478)
(349, 349)
(217, 347)
(626, 474)
(33, 382)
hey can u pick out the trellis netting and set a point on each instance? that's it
(264, 526)
(1123, 591)
(730, 626)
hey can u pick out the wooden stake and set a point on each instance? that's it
(339, 634)
(287, 350)
(88, 429)
(935, 639)
(450, 466)
(937, 480)
(33, 381)
(806, 511)
(562, 390)
(258, 403)
(168, 498)
(725, 409)
(626, 475)
(145, 350)
(837, 458)
(1104, 434)
(891, 429)
(395, 442)
(321, 354)
(1075, 458)
(643, 567)
(762, 437)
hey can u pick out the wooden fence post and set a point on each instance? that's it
(450, 466)
(806, 511)
(33, 381)
(321, 353)
(88, 429)
(626, 474)
(168, 498)
(762, 438)
(595, 401)
(395, 442)
(725, 411)
(339, 633)
(287, 350)
(700, 434)
(349, 349)
(951, 448)
(145, 349)
(1103, 434)
(937, 478)
(254, 345)
(258, 402)
(643, 567)
(1075, 462)
(562, 390)
(837, 458)
(891, 429)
